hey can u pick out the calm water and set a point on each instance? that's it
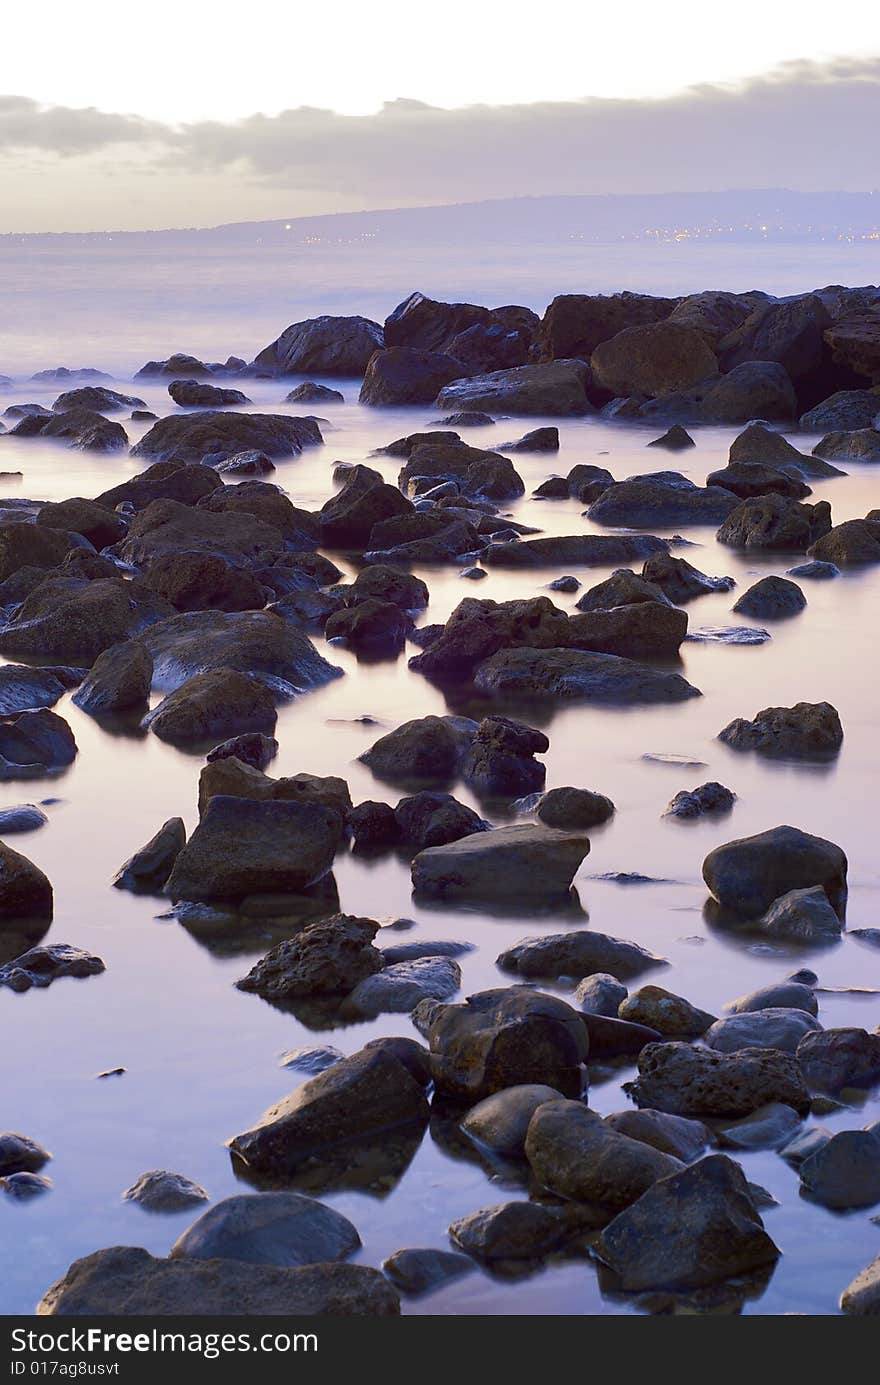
(201, 1058)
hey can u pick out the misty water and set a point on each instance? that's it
(201, 1058)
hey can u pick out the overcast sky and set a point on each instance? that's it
(170, 115)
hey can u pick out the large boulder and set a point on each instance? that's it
(501, 1122)
(845, 1172)
(322, 346)
(257, 642)
(574, 1153)
(163, 481)
(477, 629)
(643, 630)
(661, 499)
(857, 445)
(850, 544)
(77, 619)
(86, 517)
(204, 582)
(365, 499)
(563, 674)
(837, 1058)
(25, 893)
(787, 332)
(118, 681)
(776, 522)
(777, 1028)
(401, 375)
(328, 957)
(802, 916)
(127, 1281)
(35, 743)
(579, 953)
(747, 875)
(426, 748)
(355, 1100)
(278, 1228)
(476, 471)
(166, 527)
(528, 865)
(242, 847)
(855, 343)
(687, 1081)
(654, 359)
(219, 434)
(97, 397)
(771, 598)
(557, 388)
(808, 729)
(679, 581)
(506, 1038)
(845, 409)
(220, 702)
(714, 313)
(424, 324)
(574, 324)
(23, 544)
(694, 1228)
(265, 502)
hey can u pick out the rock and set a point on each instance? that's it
(616, 1038)
(675, 439)
(323, 345)
(670, 1015)
(275, 1228)
(192, 394)
(688, 1081)
(33, 744)
(389, 584)
(556, 388)
(500, 760)
(575, 1154)
(622, 588)
(585, 550)
(861, 1298)
(149, 868)
(118, 681)
(706, 798)
(771, 598)
(775, 1028)
(600, 994)
(836, 1058)
(580, 953)
(586, 482)
(163, 481)
(24, 689)
(807, 729)
(469, 418)
(845, 409)
(754, 389)
(418, 1270)
(574, 810)
(679, 581)
(816, 571)
(216, 432)
(241, 847)
(433, 819)
(748, 479)
(358, 1098)
(572, 673)
(853, 340)
(254, 748)
(506, 1038)
(42, 965)
(249, 463)
(167, 528)
(538, 440)
(259, 500)
(748, 874)
(347, 518)
(857, 445)
(845, 1172)
(327, 957)
(850, 544)
(373, 826)
(511, 1231)
(126, 1280)
(767, 1128)
(500, 1122)
(776, 522)
(311, 393)
(161, 1191)
(787, 331)
(204, 581)
(86, 517)
(694, 1228)
(802, 915)
(654, 359)
(177, 364)
(257, 643)
(529, 865)
(477, 629)
(220, 702)
(576, 323)
(25, 817)
(77, 619)
(425, 748)
(23, 544)
(25, 892)
(660, 499)
(375, 628)
(81, 428)
(18, 1154)
(803, 1144)
(401, 985)
(478, 472)
(646, 629)
(401, 375)
(25, 1185)
(788, 995)
(683, 1139)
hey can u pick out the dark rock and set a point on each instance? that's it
(771, 598)
(78, 619)
(668, 1014)
(641, 630)
(373, 826)
(845, 1172)
(310, 393)
(529, 865)
(747, 875)
(149, 868)
(253, 642)
(575, 1154)
(861, 1298)
(809, 729)
(255, 749)
(852, 543)
(688, 1081)
(600, 994)
(401, 375)
(815, 571)
(425, 748)
(622, 588)
(190, 437)
(557, 388)
(501, 761)
(837, 1058)
(23, 689)
(616, 1038)
(802, 915)
(511, 1232)
(576, 323)
(163, 481)
(780, 1029)
(118, 681)
(477, 629)
(675, 439)
(660, 499)
(323, 345)
(204, 581)
(18, 1154)
(33, 545)
(574, 809)
(26, 817)
(793, 995)
(81, 428)
(859, 445)
(748, 479)
(500, 1122)
(844, 409)
(679, 581)
(538, 440)
(249, 463)
(371, 626)
(586, 550)
(347, 519)
(220, 702)
(418, 1270)
(401, 986)
(564, 674)
(34, 743)
(433, 819)
(675, 1135)
(274, 1228)
(328, 957)
(161, 1191)
(42, 965)
(85, 517)
(576, 954)
(654, 359)
(707, 798)
(776, 522)
(193, 394)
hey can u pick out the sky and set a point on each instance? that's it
(123, 117)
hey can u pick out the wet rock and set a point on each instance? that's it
(480, 474)
(554, 488)
(35, 743)
(258, 643)
(506, 1038)
(161, 1191)
(850, 544)
(96, 397)
(190, 437)
(861, 1298)
(804, 1144)
(575, 1154)
(86, 517)
(860, 445)
(767, 1128)
(372, 627)
(683, 1139)
(149, 868)
(401, 985)
(204, 581)
(425, 748)
(77, 619)
(600, 994)
(329, 957)
(788, 995)
(654, 359)
(646, 629)
(167, 529)
(556, 388)
(679, 581)
(42, 965)
(118, 681)
(311, 393)
(127, 1280)
(776, 522)
(249, 463)
(538, 440)
(806, 729)
(373, 826)
(273, 1228)
(418, 1270)
(845, 1172)
(694, 1228)
(771, 598)
(581, 953)
(815, 571)
(241, 848)
(772, 1027)
(433, 819)
(563, 674)
(85, 429)
(622, 588)
(23, 544)
(364, 500)
(193, 394)
(500, 1122)
(841, 410)
(660, 499)
(586, 550)
(25, 817)
(511, 1231)
(688, 1081)
(311, 1060)
(748, 874)
(468, 418)
(668, 1014)
(389, 584)
(24, 689)
(836, 1058)
(748, 479)
(236, 779)
(25, 1185)
(163, 481)
(501, 761)
(586, 482)
(802, 915)
(220, 702)
(675, 439)
(254, 748)
(255, 500)
(706, 798)
(575, 323)
(323, 345)
(574, 810)
(479, 628)
(616, 1038)
(358, 1098)
(530, 865)
(401, 375)
(18, 1154)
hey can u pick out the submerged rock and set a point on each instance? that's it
(771, 598)
(688, 1081)
(845, 1172)
(42, 965)
(274, 1228)
(529, 865)
(400, 986)
(18, 1154)
(574, 810)
(563, 674)
(426, 748)
(501, 1121)
(807, 729)
(328, 957)
(25, 817)
(149, 868)
(577, 1155)
(161, 1191)
(418, 1270)
(578, 953)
